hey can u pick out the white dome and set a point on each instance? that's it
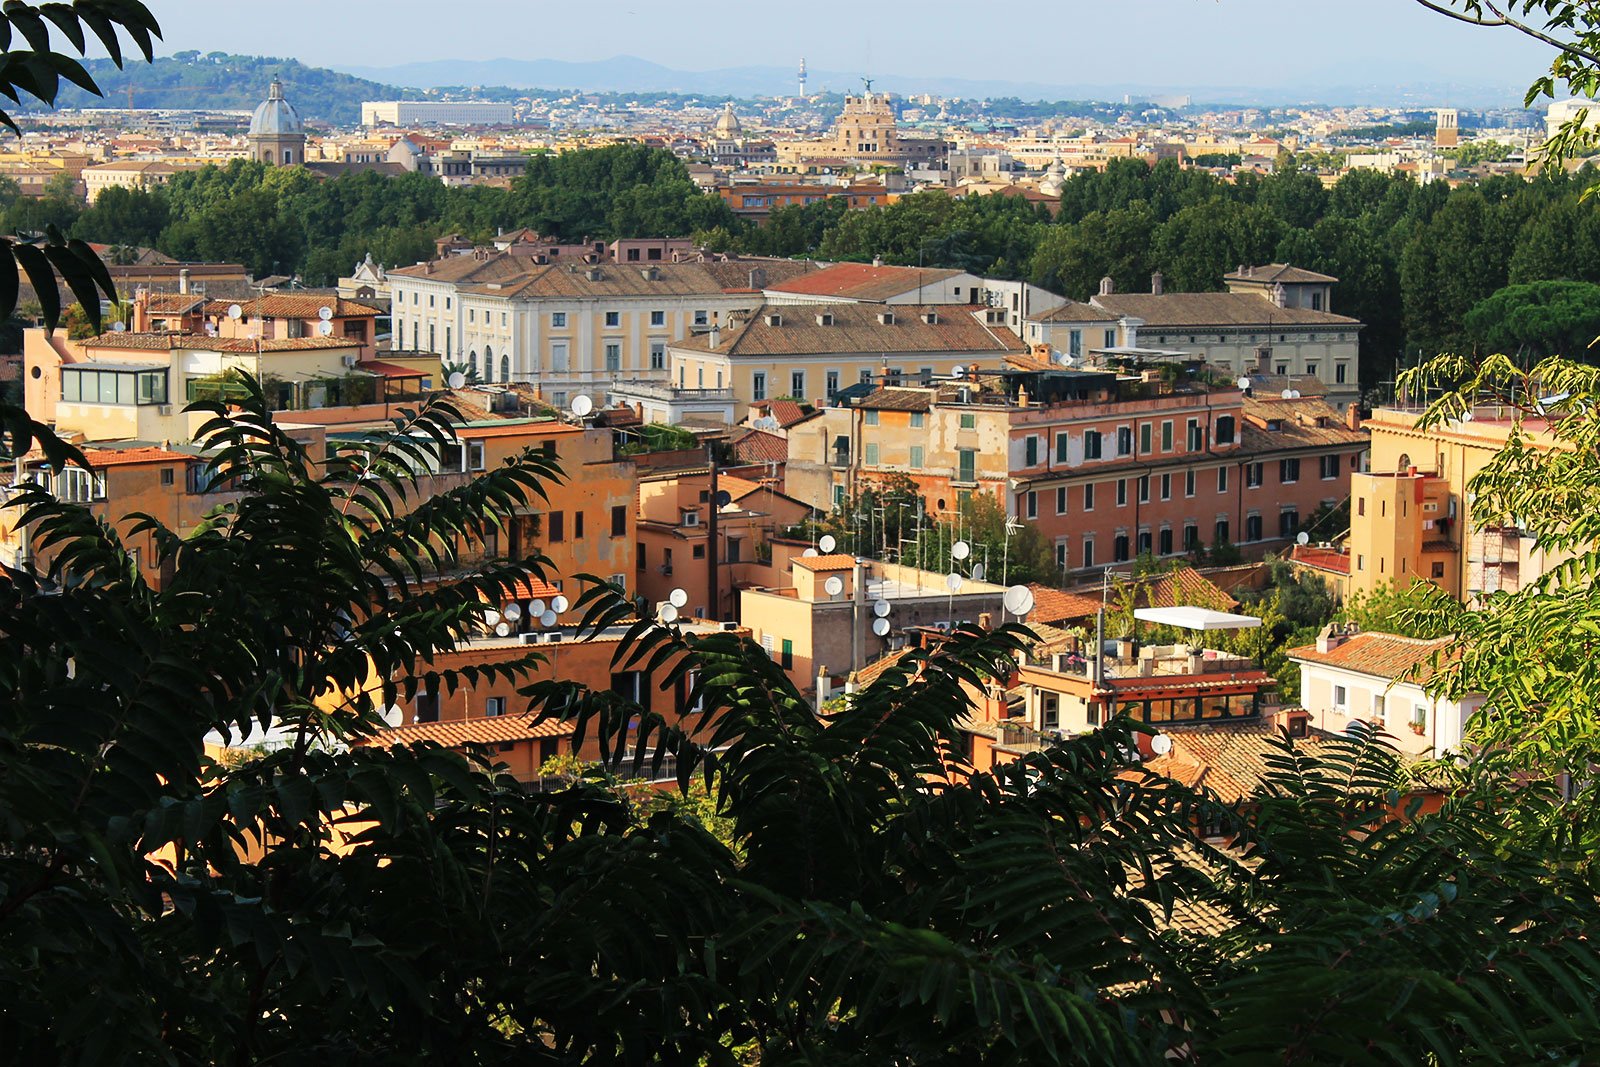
(728, 128)
(276, 116)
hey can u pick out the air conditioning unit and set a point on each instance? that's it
(691, 518)
(666, 569)
(164, 410)
(552, 638)
(531, 639)
(349, 361)
(728, 626)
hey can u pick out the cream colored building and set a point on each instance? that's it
(129, 174)
(811, 351)
(566, 327)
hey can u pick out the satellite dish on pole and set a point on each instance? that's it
(978, 571)
(559, 605)
(880, 627)
(512, 611)
(834, 585)
(491, 617)
(502, 630)
(960, 550)
(325, 313)
(881, 608)
(1243, 383)
(958, 371)
(677, 598)
(667, 613)
(1288, 394)
(808, 553)
(457, 380)
(1161, 744)
(235, 312)
(724, 498)
(1302, 538)
(119, 327)
(325, 329)
(582, 405)
(548, 619)
(953, 582)
(827, 544)
(1019, 600)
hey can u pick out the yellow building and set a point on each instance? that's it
(1411, 515)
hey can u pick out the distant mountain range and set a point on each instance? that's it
(632, 74)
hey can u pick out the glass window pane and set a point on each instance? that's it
(69, 384)
(108, 387)
(125, 389)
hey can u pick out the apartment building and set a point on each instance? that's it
(567, 328)
(1106, 466)
(875, 283)
(813, 351)
(1273, 320)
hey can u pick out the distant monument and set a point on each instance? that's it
(1445, 134)
(277, 136)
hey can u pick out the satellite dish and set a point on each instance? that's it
(1243, 383)
(834, 585)
(828, 543)
(512, 611)
(960, 550)
(1294, 394)
(668, 613)
(503, 630)
(582, 405)
(808, 553)
(118, 327)
(393, 716)
(535, 607)
(724, 498)
(880, 627)
(325, 329)
(1302, 538)
(547, 619)
(324, 313)
(1019, 600)
(235, 312)
(560, 604)
(1161, 744)
(978, 571)
(491, 617)
(881, 608)
(958, 372)
(1288, 394)
(1466, 416)
(677, 598)
(953, 582)
(457, 380)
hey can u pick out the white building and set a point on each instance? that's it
(436, 113)
(1381, 678)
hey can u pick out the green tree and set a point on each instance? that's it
(1536, 320)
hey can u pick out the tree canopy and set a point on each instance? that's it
(1537, 319)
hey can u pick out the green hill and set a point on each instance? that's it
(221, 80)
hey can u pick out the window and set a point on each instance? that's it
(1075, 343)
(1088, 497)
(1188, 483)
(870, 418)
(1122, 492)
(1340, 372)
(786, 659)
(427, 707)
(872, 453)
(1252, 476)
(1061, 554)
(1063, 442)
(969, 421)
(1191, 537)
(702, 318)
(1288, 522)
(1111, 337)
(613, 356)
(1166, 487)
(797, 384)
(556, 527)
(619, 520)
(451, 459)
(1145, 543)
(1225, 430)
(1283, 369)
(916, 457)
(918, 419)
(1030, 452)
(1166, 436)
(1164, 543)
(1288, 471)
(1033, 504)
(74, 485)
(494, 706)
(1088, 552)
(832, 380)
(758, 385)
(1222, 479)
(1144, 438)
(1330, 467)
(1091, 444)
(1438, 570)
(658, 355)
(658, 318)
(966, 464)
(1220, 533)
(1311, 368)
(1061, 500)
(558, 319)
(1341, 697)
(613, 318)
(1119, 549)
(1252, 527)
(558, 359)
(577, 526)
(1194, 437)
(166, 476)
(1124, 440)
(699, 552)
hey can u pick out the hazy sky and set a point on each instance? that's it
(1188, 42)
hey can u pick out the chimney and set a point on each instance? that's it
(877, 261)
(1332, 636)
(1155, 283)
(758, 278)
(1107, 286)
(715, 336)
(1022, 396)
(183, 281)
(1352, 416)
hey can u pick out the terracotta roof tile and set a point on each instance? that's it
(862, 281)
(168, 342)
(501, 729)
(1379, 655)
(759, 446)
(1058, 605)
(1074, 311)
(1327, 559)
(1228, 758)
(294, 306)
(101, 458)
(1173, 310)
(836, 562)
(856, 329)
(1279, 272)
(899, 398)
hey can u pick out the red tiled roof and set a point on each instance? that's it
(787, 412)
(167, 342)
(758, 446)
(1327, 559)
(836, 562)
(389, 370)
(1378, 655)
(533, 589)
(1058, 605)
(295, 306)
(100, 458)
(862, 281)
(500, 729)
(1228, 758)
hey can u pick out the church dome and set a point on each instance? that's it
(728, 128)
(276, 117)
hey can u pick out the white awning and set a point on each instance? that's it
(1190, 618)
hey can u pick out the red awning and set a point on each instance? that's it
(389, 370)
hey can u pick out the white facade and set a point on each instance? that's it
(436, 113)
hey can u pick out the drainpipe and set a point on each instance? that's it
(712, 553)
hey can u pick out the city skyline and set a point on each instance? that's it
(1180, 44)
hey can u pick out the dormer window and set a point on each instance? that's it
(825, 319)
(775, 319)
(886, 317)
(1275, 425)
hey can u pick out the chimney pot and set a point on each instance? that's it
(1107, 286)
(1156, 283)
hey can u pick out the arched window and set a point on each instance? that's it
(505, 368)
(488, 364)
(1405, 462)
(472, 361)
